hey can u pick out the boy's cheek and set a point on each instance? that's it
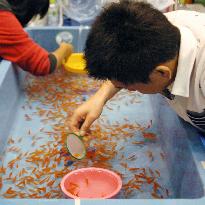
(146, 89)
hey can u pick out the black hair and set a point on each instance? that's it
(25, 10)
(128, 40)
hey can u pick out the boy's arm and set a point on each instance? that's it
(88, 112)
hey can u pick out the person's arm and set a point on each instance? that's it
(88, 112)
(62, 53)
(17, 47)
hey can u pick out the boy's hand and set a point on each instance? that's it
(85, 115)
(88, 112)
(62, 53)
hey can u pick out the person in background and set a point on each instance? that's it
(131, 45)
(16, 45)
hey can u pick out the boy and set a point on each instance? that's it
(136, 47)
(15, 44)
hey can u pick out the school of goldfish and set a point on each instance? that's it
(33, 163)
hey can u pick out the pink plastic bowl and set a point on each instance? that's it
(91, 183)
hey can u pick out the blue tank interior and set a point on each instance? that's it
(182, 170)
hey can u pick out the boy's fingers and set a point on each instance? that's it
(86, 124)
(75, 124)
(81, 133)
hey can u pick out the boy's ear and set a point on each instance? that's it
(164, 71)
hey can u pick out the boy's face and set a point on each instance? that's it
(159, 79)
(149, 88)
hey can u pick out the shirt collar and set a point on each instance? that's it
(186, 59)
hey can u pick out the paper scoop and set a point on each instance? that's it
(75, 146)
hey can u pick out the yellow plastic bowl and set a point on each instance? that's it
(76, 63)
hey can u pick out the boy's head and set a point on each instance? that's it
(133, 45)
(25, 10)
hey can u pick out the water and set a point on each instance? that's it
(36, 159)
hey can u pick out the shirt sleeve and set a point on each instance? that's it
(53, 62)
(17, 47)
(201, 72)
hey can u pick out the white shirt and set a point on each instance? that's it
(161, 4)
(189, 84)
